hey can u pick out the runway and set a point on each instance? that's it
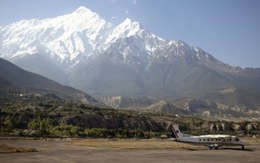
(61, 151)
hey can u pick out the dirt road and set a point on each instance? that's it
(60, 151)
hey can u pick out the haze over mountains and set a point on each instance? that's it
(14, 80)
(84, 51)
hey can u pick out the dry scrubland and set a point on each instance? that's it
(106, 143)
(113, 143)
(142, 143)
(11, 149)
(132, 143)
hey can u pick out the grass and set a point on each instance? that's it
(132, 144)
(9, 149)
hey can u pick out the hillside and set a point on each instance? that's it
(84, 51)
(13, 78)
(47, 116)
(229, 104)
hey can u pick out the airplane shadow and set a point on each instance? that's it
(238, 149)
(223, 148)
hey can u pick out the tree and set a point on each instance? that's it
(42, 126)
(9, 122)
(34, 125)
(76, 131)
(42, 129)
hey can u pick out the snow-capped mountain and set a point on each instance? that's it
(83, 33)
(64, 38)
(83, 50)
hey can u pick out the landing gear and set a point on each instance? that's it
(243, 147)
(214, 146)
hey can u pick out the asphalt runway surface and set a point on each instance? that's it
(60, 151)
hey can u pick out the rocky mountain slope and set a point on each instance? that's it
(16, 80)
(47, 117)
(84, 51)
(230, 103)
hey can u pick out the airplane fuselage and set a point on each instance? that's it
(211, 141)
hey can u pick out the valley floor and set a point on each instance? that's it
(107, 150)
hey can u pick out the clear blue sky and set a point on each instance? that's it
(227, 29)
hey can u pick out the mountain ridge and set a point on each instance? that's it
(92, 55)
(14, 78)
(82, 21)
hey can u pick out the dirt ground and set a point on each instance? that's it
(72, 151)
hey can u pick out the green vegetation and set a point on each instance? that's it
(48, 116)
(45, 116)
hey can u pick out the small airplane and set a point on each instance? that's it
(211, 141)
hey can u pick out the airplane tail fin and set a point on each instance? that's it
(176, 133)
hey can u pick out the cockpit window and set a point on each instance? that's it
(186, 135)
(236, 139)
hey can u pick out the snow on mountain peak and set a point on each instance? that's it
(126, 29)
(80, 34)
(71, 36)
(82, 10)
(84, 15)
(131, 24)
(63, 37)
(129, 27)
